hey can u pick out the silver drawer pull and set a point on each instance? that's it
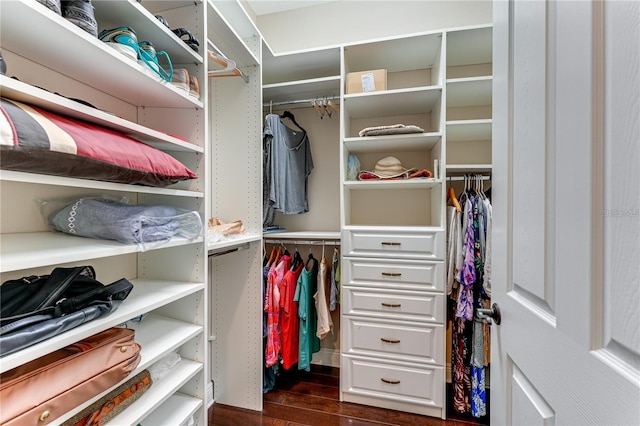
(390, 381)
(390, 243)
(391, 274)
(384, 339)
(391, 305)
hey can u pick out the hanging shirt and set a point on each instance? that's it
(290, 166)
(325, 324)
(453, 231)
(272, 307)
(335, 280)
(289, 317)
(308, 341)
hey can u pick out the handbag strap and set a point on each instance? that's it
(116, 291)
(59, 280)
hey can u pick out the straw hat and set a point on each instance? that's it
(389, 167)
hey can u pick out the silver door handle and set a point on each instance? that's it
(490, 315)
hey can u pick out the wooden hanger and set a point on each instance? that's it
(451, 195)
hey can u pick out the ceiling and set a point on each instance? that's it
(265, 7)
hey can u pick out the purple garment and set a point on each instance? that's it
(468, 273)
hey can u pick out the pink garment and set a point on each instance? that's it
(272, 307)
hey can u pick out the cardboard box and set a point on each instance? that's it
(366, 81)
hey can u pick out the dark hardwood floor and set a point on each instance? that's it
(301, 398)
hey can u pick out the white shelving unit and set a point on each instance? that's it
(171, 280)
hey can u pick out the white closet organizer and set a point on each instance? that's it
(235, 155)
(170, 282)
(393, 304)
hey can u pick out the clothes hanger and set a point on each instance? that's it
(451, 195)
(333, 105)
(288, 114)
(318, 108)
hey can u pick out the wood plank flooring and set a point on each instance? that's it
(300, 398)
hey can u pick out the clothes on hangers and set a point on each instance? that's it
(324, 323)
(289, 316)
(290, 164)
(468, 252)
(305, 289)
(335, 280)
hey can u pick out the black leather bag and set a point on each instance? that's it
(35, 308)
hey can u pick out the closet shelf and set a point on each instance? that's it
(303, 235)
(415, 100)
(134, 15)
(396, 143)
(235, 242)
(226, 40)
(393, 184)
(469, 46)
(468, 168)
(37, 249)
(23, 92)
(158, 393)
(85, 58)
(312, 88)
(10, 175)
(469, 130)
(299, 66)
(238, 18)
(146, 296)
(174, 411)
(466, 92)
(157, 336)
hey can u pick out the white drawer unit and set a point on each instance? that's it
(399, 243)
(398, 304)
(394, 340)
(396, 274)
(397, 385)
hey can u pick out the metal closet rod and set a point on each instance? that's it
(303, 242)
(461, 178)
(299, 101)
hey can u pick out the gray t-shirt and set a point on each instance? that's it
(290, 166)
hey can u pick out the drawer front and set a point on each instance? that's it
(404, 305)
(400, 244)
(394, 274)
(399, 382)
(393, 339)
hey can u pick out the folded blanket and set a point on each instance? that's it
(111, 220)
(394, 129)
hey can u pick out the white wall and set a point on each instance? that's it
(347, 21)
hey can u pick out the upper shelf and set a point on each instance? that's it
(113, 14)
(304, 89)
(395, 55)
(59, 44)
(225, 38)
(399, 143)
(416, 100)
(310, 65)
(469, 46)
(23, 92)
(472, 91)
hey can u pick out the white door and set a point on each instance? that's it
(566, 203)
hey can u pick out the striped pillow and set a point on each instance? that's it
(39, 141)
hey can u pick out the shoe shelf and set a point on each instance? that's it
(130, 13)
(23, 251)
(23, 92)
(59, 44)
(146, 295)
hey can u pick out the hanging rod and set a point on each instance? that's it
(231, 250)
(297, 101)
(303, 242)
(473, 176)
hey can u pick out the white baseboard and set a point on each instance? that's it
(209, 395)
(329, 357)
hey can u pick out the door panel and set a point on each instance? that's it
(566, 200)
